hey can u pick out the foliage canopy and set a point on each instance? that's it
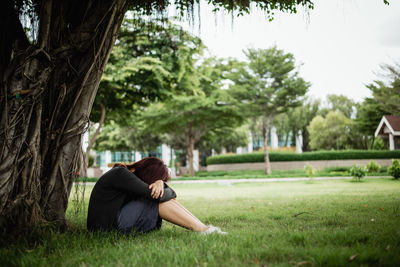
(265, 86)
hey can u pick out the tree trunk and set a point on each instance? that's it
(47, 92)
(189, 151)
(306, 139)
(85, 164)
(265, 129)
(294, 134)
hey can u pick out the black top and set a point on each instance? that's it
(115, 188)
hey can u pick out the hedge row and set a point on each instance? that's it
(318, 155)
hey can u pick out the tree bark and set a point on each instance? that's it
(189, 143)
(85, 164)
(294, 134)
(265, 129)
(47, 92)
(190, 150)
(306, 139)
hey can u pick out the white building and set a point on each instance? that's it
(389, 128)
(106, 159)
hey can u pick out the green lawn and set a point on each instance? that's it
(318, 223)
(327, 172)
(212, 175)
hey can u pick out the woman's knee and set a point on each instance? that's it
(167, 203)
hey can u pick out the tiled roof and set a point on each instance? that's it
(394, 122)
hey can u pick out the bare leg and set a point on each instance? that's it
(194, 217)
(175, 213)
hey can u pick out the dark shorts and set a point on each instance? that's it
(139, 215)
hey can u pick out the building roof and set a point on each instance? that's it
(394, 121)
(391, 122)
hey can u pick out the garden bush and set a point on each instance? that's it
(357, 172)
(310, 170)
(317, 155)
(394, 170)
(372, 166)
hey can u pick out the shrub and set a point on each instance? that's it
(372, 166)
(357, 172)
(379, 144)
(310, 170)
(384, 169)
(306, 156)
(394, 170)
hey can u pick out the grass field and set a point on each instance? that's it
(327, 172)
(212, 175)
(317, 223)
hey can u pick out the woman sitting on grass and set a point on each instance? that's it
(135, 198)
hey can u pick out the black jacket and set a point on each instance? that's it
(115, 188)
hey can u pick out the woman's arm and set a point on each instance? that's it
(161, 190)
(122, 179)
(169, 193)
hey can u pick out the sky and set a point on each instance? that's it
(338, 46)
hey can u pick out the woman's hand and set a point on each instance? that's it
(157, 189)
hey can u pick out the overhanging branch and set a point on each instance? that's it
(45, 21)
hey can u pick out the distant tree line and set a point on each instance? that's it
(159, 87)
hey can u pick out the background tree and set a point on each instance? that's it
(48, 85)
(144, 66)
(369, 114)
(340, 103)
(133, 136)
(227, 137)
(284, 128)
(112, 137)
(189, 116)
(266, 86)
(385, 100)
(331, 132)
(387, 93)
(297, 119)
(302, 117)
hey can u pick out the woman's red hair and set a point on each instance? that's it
(148, 169)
